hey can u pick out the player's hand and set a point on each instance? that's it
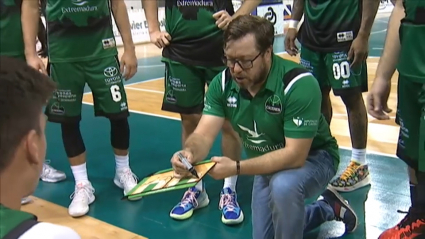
(36, 63)
(224, 167)
(377, 99)
(160, 39)
(180, 171)
(128, 66)
(290, 46)
(222, 19)
(358, 51)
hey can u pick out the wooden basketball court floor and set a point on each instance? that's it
(155, 136)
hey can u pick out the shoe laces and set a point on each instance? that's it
(127, 176)
(189, 197)
(350, 170)
(226, 200)
(82, 192)
(410, 221)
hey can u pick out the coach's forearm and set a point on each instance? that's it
(151, 13)
(247, 7)
(370, 8)
(388, 61)
(30, 19)
(199, 146)
(119, 10)
(297, 10)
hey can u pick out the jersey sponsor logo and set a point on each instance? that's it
(255, 141)
(344, 36)
(232, 102)
(298, 121)
(176, 84)
(80, 6)
(195, 3)
(273, 105)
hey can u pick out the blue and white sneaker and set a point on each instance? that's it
(230, 210)
(192, 199)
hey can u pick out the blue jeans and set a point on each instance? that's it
(278, 209)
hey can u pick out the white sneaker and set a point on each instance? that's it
(51, 175)
(125, 179)
(82, 197)
(25, 200)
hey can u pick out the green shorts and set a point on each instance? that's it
(185, 86)
(105, 81)
(332, 70)
(411, 118)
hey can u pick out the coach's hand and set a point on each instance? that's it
(222, 19)
(358, 51)
(128, 66)
(290, 46)
(377, 99)
(36, 63)
(224, 167)
(180, 171)
(160, 39)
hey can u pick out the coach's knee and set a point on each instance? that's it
(120, 133)
(286, 189)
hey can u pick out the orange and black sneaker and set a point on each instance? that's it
(411, 227)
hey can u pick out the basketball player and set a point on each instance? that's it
(404, 50)
(82, 50)
(23, 93)
(334, 46)
(12, 44)
(192, 52)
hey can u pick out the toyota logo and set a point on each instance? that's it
(110, 71)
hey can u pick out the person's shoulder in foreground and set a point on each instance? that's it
(44, 230)
(23, 93)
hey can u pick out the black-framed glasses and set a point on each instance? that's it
(245, 64)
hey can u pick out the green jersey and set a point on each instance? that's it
(330, 25)
(196, 39)
(412, 32)
(79, 30)
(288, 106)
(11, 38)
(12, 222)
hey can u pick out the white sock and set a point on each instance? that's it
(80, 173)
(230, 182)
(122, 162)
(199, 186)
(358, 155)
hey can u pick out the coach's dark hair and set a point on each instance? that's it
(23, 93)
(261, 28)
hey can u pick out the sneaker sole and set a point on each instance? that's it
(363, 183)
(118, 184)
(342, 200)
(233, 221)
(189, 214)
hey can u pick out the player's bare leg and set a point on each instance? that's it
(356, 175)
(196, 197)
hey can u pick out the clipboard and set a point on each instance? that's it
(164, 181)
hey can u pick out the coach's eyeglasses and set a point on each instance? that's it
(245, 64)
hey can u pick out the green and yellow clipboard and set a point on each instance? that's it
(164, 181)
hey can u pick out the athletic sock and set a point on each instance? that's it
(80, 173)
(358, 156)
(230, 182)
(122, 162)
(199, 186)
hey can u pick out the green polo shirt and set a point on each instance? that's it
(288, 106)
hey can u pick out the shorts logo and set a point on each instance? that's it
(57, 109)
(170, 97)
(110, 71)
(273, 105)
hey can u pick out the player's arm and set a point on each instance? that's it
(303, 100)
(30, 18)
(369, 10)
(297, 10)
(247, 7)
(388, 61)
(151, 12)
(119, 10)
(199, 143)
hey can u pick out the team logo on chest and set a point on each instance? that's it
(273, 105)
